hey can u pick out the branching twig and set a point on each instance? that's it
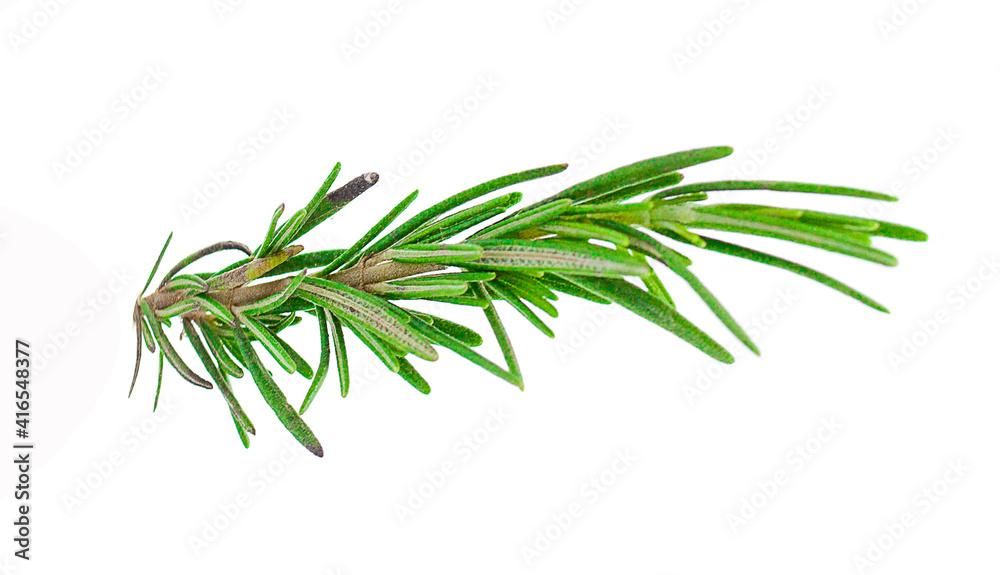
(592, 240)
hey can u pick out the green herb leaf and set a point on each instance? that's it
(764, 258)
(212, 306)
(502, 292)
(636, 189)
(458, 331)
(519, 255)
(373, 343)
(653, 309)
(287, 233)
(679, 265)
(639, 172)
(176, 309)
(446, 279)
(303, 261)
(392, 290)
(407, 372)
(559, 284)
(217, 247)
(324, 359)
(375, 314)
(269, 236)
(460, 221)
(443, 339)
(732, 185)
(186, 282)
(275, 398)
(156, 266)
(444, 254)
(220, 379)
(168, 350)
(584, 230)
(218, 350)
(523, 220)
(269, 341)
(349, 254)
(147, 335)
(159, 382)
(458, 199)
(845, 243)
(268, 303)
(340, 348)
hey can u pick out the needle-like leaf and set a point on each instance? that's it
(212, 306)
(136, 323)
(303, 261)
(218, 350)
(679, 265)
(270, 302)
(340, 348)
(446, 279)
(503, 293)
(313, 206)
(790, 231)
(269, 341)
(639, 172)
(458, 331)
(636, 189)
(777, 187)
(186, 282)
(500, 332)
(559, 284)
(275, 398)
(156, 266)
(324, 359)
(377, 315)
(757, 256)
(519, 255)
(287, 233)
(407, 372)
(523, 220)
(350, 253)
(392, 290)
(373, 343)
(147, 335)
(443, 339)
(301, 365)
(178, 308)
(217, 247)
(457, 200)
(220, 379)
(529, 289)
(653, 309)
(460, 221)
(444, 254)
(168, 350)
(269, 236)
(159, 382)
(586, 231)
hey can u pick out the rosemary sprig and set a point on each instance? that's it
(597, 240)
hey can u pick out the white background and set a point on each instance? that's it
(602, 85)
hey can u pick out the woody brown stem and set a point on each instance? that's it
(359, 276)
